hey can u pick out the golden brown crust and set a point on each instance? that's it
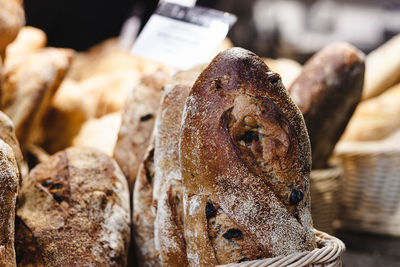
(79, 193)
(327, 93)
(9, 183)
(375, 118)
(167, 192)
(244, 148)
(30, 87)
(12, 18)
(382, 68)
(138, 117)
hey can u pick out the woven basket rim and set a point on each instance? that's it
(347, 148)
(328, 253)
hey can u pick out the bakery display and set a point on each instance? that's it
(133, 163)
(245, 159)
(327, 92)
(73, 210)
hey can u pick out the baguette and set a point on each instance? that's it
(327, 92)
(382, 68)
(245, 159)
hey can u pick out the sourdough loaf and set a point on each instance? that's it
(167, 193)
(327, 92)
(73, 210)
(245, 159)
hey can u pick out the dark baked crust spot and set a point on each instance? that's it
(232, 233)
(210, 210)
(146, 117)
(149, 166)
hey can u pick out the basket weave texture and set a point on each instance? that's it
(328, 254)
(325, 197)
(370, 187)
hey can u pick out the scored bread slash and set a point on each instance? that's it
(245, 159)
(327, 92)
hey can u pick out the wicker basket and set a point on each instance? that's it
(328, 254)
(324, 197)
(370, 186)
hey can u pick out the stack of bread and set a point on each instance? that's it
(215, 160)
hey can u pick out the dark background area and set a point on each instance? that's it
(80, 24)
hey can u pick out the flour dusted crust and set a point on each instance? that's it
(9, 183)
(74, 210)
(138, 117)
(143, 216)
(7, 134)
(327, 92)
(245, 161)
(29, 87)
(167, 193)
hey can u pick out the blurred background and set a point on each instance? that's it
(271, 28)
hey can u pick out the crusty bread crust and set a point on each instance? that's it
(167, 192)
(9, 183)
(327, 92)
(73, 210)
(138, 117)
(143, 216)
(245, 150)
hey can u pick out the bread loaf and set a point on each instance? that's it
(157, 191)
(245, 159)
(375, 118)
(7, 134)
(99, 133)
(382, 68)
(9, 183)
(74, 210)
(167, 193)
(327, 92)
(12, 18)
(138, 116)
(29, 40)
(29, 88)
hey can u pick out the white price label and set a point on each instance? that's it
(182, 37)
